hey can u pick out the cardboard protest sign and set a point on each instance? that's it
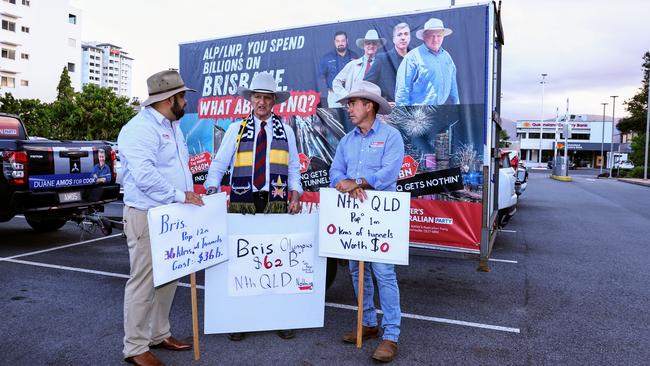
(187, 238)
(376, 230)
(233, 304)
(271, 264)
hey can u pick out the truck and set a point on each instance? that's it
(451, 164)
(53, 181)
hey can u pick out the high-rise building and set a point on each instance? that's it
(106, 65)
(38, 39)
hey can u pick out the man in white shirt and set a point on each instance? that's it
(154, 160)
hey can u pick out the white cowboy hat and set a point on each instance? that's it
(367, 90)
(163, 85)
(371, 35)
(264, 83)
(432, 24)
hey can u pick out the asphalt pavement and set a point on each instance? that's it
(568, 285)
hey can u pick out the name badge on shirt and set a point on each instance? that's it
(166, 136)
(377, 144)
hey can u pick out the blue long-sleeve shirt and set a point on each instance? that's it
(426, 78)
(332, 63)
(376, 157)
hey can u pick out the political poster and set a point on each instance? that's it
(271, 264)
(264, 303)
(375, 230)
(187, 238)
(441, 106)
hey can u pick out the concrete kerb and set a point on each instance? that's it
(637, 181)
(562, 178)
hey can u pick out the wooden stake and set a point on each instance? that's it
(360, 306)
(195, 318)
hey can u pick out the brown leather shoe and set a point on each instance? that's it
(144, 359)
(173, 344)
(386, 351)
(366, 333)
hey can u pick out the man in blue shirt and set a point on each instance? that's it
(333, 62)
(427, 75)
(370, 157)
(384, 68)
(101, 171)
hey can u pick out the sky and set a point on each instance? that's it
(590, 49)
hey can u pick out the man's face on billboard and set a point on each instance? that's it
(341, 42)
(402, 38)
(370, 48)
(433, 39)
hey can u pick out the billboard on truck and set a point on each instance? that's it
(441, 94)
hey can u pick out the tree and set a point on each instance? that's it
(504, 139)
(35, 115)
(64, 89)
(101, 113)
(637, 106)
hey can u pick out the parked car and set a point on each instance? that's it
(51, 181)
(625, 164)
(551, 163)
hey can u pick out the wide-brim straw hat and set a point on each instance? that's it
(367, 90)
(264, 83)
(432, 24)
(163, 85)
(371, 35)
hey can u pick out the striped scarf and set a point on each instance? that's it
(241, 196)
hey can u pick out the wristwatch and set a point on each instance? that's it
(358, 181)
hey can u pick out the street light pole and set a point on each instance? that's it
(611, 143)
(541, 119)
(647, 130)
(602, 140)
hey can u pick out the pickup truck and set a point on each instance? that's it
(50, 181)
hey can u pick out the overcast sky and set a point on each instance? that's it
(590, 49)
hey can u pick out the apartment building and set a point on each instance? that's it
(38, 39)
(107, 65)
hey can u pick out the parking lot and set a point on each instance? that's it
(568, 285)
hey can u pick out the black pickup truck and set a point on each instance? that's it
(51, 181)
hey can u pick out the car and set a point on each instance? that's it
(626, 164)
(550, 164)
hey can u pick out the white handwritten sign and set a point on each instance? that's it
(376, 230)
(270, 308)
(187, 238)
(271, 264)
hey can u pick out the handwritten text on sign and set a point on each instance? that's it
(187, 238)
(376, 230)
(271, 264)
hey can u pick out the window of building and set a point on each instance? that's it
(24, 29)
(548, 136)
(7, 81)
(580, 136)
(10, 54)
(26, 2)
(72, 42)
(24, 56)
(533, 135)
(72, 19)
(71, 67)
(24, 83)
(521, 135)
(7, 25)
(10, 1)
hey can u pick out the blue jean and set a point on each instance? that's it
(388, 296)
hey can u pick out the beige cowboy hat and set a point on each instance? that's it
(367, 90)
(371, 35)
(432, 24)
(264, 83)
(163, 85)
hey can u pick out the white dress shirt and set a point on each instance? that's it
(351, 73)
(154, 159)
(226, 156)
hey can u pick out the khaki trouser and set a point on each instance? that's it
(146, 308)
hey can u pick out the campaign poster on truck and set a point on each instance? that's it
(440, 90)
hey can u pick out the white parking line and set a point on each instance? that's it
(60, 247)
(329, 304)
(436, 320)
(507, 231)
(503, 260)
